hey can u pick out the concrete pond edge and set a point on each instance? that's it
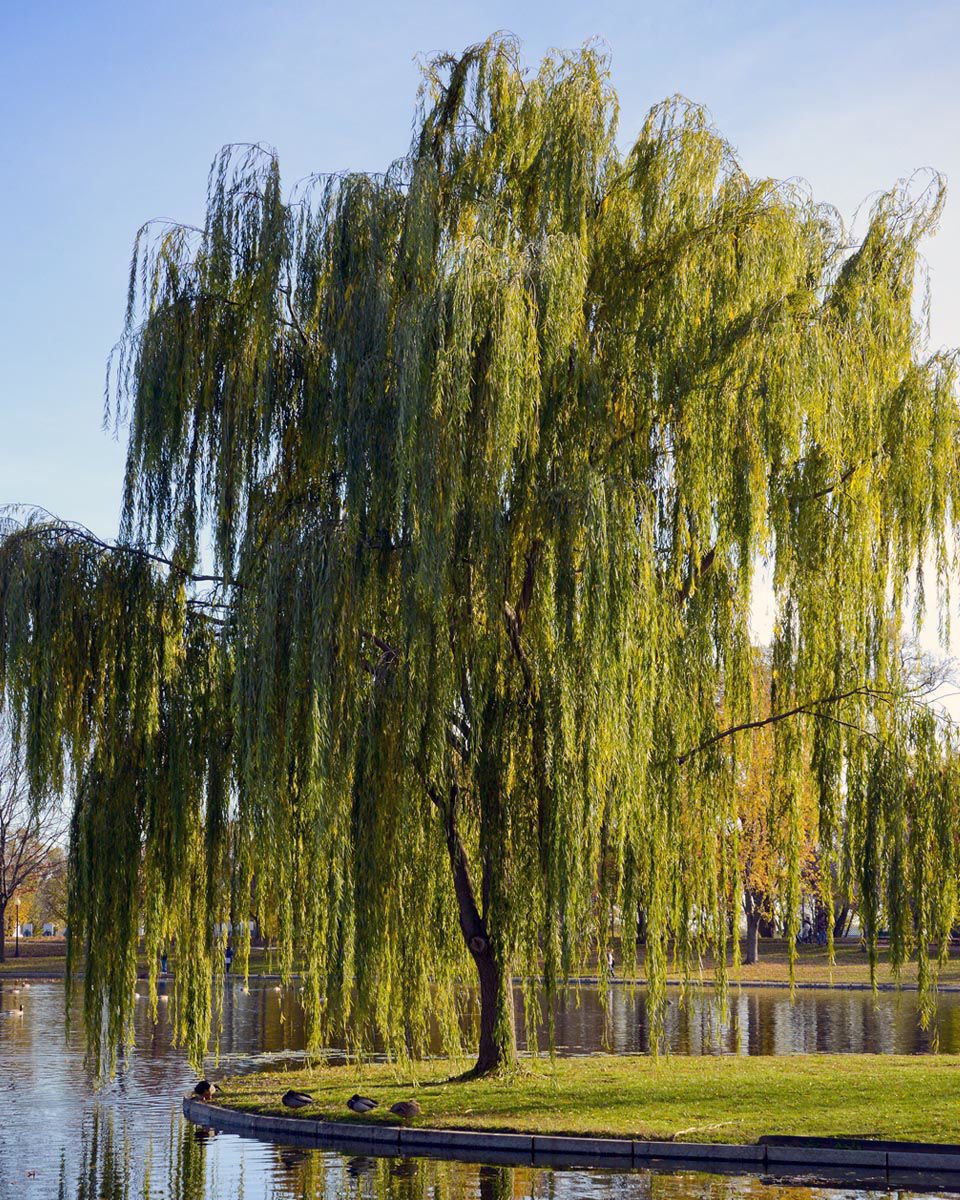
(893, 1163)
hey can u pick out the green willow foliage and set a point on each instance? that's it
(488, 448)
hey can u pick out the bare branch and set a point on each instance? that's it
(808, 708)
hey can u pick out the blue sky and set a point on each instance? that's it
(112, 113)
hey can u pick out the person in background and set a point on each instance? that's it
(610, 965)
(163, 962)
(229, 957)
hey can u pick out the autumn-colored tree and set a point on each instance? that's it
(50, 893)
(764, 866)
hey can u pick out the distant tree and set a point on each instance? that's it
(32, 831)
(51, 891)
(487, 448)
(765, 856)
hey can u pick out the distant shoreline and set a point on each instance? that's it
(16, 970)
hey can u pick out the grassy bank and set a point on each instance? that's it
(690, 1099)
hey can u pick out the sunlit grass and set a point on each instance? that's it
(725, 1099)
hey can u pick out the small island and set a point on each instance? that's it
(723, 1099)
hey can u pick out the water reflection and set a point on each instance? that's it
(200, 1165)
(113, 1165)
(757, 1021)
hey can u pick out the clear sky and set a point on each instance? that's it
(111, 112)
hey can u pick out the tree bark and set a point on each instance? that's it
(497, 1047)
(753, 938)
(3, 931)
(751, 904)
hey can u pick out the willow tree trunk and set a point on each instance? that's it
(3, 931)
(498, 1045)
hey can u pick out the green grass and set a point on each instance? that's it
(690, 1099)
(850, 966)
(44, 968)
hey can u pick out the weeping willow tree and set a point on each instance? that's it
(444, 497)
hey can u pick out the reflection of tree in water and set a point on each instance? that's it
(114, 1166)
(313, 1175)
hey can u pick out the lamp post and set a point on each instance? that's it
(16, 953)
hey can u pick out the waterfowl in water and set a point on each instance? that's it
(360, 1104)
(293, 1099)
(204, 1090)
(406, 1109)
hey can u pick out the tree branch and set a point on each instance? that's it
(685, 591)
(808, 708)
(294, 322)
(80, 533)
(831, 487)
(472, 924)
(514, 617)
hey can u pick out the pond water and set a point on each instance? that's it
(61, 1140)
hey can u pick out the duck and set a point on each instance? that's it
(406, 1109)
(294, 1099)
(204, 1090)
(360, 1104)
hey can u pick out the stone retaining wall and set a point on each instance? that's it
(892, 1164)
